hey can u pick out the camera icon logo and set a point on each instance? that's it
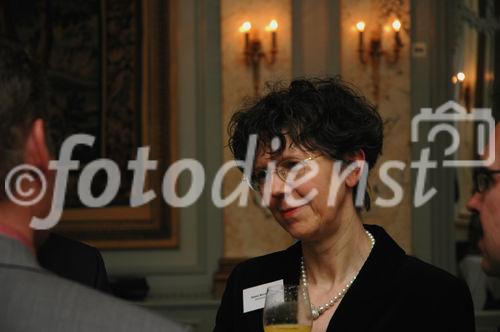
(446, 116)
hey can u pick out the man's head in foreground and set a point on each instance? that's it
(23, 136)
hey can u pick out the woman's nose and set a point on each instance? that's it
(276, 185)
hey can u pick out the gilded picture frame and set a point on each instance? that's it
(108, 70)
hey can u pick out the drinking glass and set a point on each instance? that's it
(287, 309)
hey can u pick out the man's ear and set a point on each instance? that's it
(353, 178)
(36, 152)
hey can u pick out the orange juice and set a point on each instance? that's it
(287, 328)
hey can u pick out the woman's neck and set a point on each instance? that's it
(338, 258)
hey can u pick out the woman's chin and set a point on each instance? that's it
(299, 233)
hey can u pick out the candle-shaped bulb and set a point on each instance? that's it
(360, 26)
(246, 27)
(272, 26)
(396, 25)
(461, 77)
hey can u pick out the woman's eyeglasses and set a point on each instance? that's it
(282, 169)
(483, 179)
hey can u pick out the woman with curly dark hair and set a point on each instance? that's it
(357, 278)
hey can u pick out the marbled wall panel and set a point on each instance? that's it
(250, 231)
(393, 100)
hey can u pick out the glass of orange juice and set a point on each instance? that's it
(287, 309)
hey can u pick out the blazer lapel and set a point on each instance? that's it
(358, 307)
(293, 257)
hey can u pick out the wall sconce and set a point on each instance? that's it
(253, 50)
(376, 51)
(464, 92)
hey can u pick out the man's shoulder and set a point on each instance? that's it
(45, 300)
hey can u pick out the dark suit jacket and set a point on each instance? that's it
(73, 260)
(392, 292)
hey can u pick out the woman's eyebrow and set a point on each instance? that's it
(261, 165)
(257, 168)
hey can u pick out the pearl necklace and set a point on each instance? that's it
(318, 310)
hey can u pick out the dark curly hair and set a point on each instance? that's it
(22, 101)
(326, 115)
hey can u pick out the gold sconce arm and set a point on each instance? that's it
(254, 52)
(376, 51)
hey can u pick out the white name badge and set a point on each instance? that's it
(254, 297)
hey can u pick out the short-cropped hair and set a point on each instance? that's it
(327, 115)
(22, 101)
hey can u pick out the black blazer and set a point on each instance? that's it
(392, 292)
(73, 260)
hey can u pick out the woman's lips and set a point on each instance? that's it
(286, 213)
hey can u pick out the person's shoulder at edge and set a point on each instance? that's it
(93, 309)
